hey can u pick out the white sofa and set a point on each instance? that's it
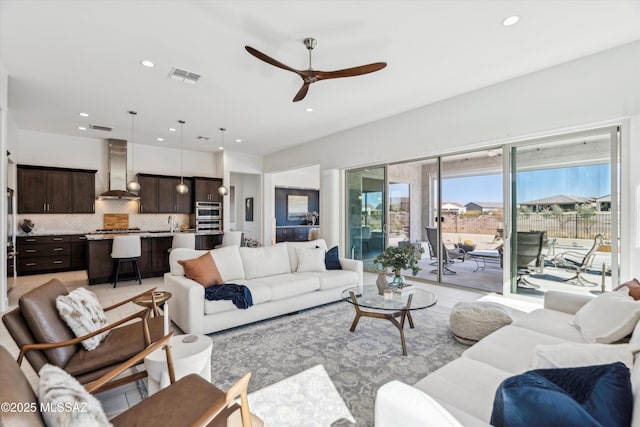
(462, 391)
(271, 273)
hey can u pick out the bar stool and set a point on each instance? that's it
(125, 248)
(183, 240)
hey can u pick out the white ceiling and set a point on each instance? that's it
(67, 57)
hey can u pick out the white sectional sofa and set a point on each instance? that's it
(462, 391)
(271, 273)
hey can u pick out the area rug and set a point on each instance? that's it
(305, 399)
(357, 363)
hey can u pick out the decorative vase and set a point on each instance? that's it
(398, 279)
(381, 283)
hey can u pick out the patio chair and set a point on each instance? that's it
(448, 254)
(579, 262)
(528, 251)
(44, 337)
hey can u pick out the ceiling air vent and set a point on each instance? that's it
(184, 76)
(98, 127)
(203, 138)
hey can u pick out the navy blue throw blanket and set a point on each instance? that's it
(240, 295)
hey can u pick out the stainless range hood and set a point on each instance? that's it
(118, 173)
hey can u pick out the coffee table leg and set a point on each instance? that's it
(358, 312)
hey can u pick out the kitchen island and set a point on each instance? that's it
(154, 258)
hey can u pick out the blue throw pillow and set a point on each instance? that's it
(331, 261)
(587, 396)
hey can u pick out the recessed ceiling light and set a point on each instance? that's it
(82, 128)
(84, 114)
(147, 63)
(172, 129)
(511, 20)
(220, 148)
(160, 139)
(308, 110)
(238, 140)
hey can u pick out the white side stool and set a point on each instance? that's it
(473, 320)
(191, 355)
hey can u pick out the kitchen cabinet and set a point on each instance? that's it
(100, 264)
(206, 189)
(83, 192)
(208, 241)
(160, 254)
(293, 234)
(158, 195)
(55, 190)
(40, 254)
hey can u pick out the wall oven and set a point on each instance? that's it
(208, 210)
(208, 216)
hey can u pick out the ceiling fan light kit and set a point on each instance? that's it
(310, 75)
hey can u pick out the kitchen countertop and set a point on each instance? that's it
(144, 234)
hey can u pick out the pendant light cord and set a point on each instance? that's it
(182, 122)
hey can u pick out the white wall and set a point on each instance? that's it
(248, 185)
(597, 89)
(306, 177)
(4, 84)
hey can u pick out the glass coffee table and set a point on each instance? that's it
(398, 306)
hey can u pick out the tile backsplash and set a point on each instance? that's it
(92, 222)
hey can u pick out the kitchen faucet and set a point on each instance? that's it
(170, 222)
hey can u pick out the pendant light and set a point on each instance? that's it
(133, 185)
(182, 188)
(222, 190)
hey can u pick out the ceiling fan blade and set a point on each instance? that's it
(302, 92)
(350, 72)
(269, 60)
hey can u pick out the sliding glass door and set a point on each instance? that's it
(564, 213)
(366, 219)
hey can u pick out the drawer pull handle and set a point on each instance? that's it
(58, 249)
(30, 264)
(31, 240)
(57, 239)
(30, 251)
(82, 238)
(58, 262)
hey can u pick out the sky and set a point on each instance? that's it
(585, 181)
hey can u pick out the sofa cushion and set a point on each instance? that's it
(332, 259)
(572, 355)
(293, 256)
(608, 317)
(550, 322)
(178, 254)
(466, 384)
(83, 313)
(634, 288)
(202, 270)
(332, 279)
(260, 293)
(310, 259)
(265, 261)
(499, 348)
(595, 396)
(289, 285)
(38, 307)
(229, 263)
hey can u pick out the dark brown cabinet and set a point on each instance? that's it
(55, 190)
(206, 189)
(39, 254)
(158, 195)
(153, 261)
(83, 192)
(208, 241)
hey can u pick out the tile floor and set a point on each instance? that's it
(119, 399)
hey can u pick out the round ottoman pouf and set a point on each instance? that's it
(474, 320)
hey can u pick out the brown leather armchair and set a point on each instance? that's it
(43, 337)
(191, 401)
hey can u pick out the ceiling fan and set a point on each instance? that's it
(310, 75)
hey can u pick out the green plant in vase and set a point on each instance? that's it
(400, 258)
